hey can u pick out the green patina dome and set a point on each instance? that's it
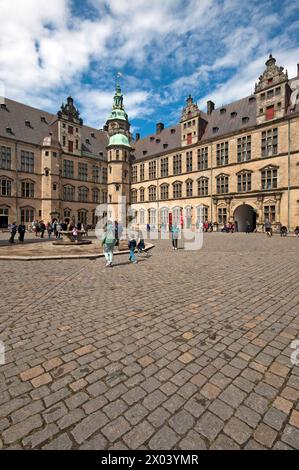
(119, 139)
(118, 110)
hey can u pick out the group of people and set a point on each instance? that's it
(111, 237)
(14, 229)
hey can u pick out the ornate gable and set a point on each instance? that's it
(273, 75)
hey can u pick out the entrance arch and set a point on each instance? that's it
(244, 214)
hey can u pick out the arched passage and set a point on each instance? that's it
(243, 215)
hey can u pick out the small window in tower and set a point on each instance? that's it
(110, 169)
(64, 141)
(77, 144)
(117, 187)
(70, 130)
(47, 172)
(185, 125)
(193, 122)
(263, 96)
(270, 94)
(77, 130)
(54, 154)
(277, 91)
(54, 187)
(261, 110)
(189, 123)
(117, 154)
(47, 153)
(279, 105)
(63, 125)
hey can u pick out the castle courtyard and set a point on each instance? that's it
(185, 350)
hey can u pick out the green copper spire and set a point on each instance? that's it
(118, 110)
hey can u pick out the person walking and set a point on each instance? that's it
(13, 230)
(175, 231)
(268, 228)
(21, 232)
(42, 228)
(140, 243)
(108, 243)
(132, 246)
(283, 231)
(49, 230)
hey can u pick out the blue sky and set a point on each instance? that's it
(165, 49)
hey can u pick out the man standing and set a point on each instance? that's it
(13, 231)
(21, 231)
(108, 243)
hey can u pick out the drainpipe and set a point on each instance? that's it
(289, 172)
(17, 183)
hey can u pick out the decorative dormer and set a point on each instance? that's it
(192, 125)
(69, 128)
(272, 92)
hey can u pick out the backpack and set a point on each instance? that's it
(109, 238)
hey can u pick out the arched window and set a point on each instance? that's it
(95, 195)
(141, 194)
(177, 190)
(83, 194)
(164, 189)
(134, 196)
(152, 193)
(67, 213)
(68, 193)
(5, 186)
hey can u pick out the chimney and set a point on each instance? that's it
(137, 136)
(159, 127)
(210, 107)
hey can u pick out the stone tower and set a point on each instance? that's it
(272, 93)
(119, 151)
(192, 124)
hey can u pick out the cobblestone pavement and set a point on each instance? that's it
(185, 350)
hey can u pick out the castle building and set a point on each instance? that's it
(236, 163)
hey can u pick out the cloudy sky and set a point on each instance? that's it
(165, 49)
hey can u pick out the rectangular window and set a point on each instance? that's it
(27, 162)
(270, 113)
(189, 138)
(152, 170)
(164, 167)
(104, 175)
(269, 179)
(222, 154)
(189, 188)
(27, 215)
(244, 149)
(177, 190)
(142, 172)
(270, 142)
(95, 195)
(270, 213)
(164, 191)
(152, 193)
(141, 195)
(27, 189)
(134, 174)
(5, 187)
(177, 164)
(244, 182)
(189, 162)
(5, 158)
(95, 174)
(203, 187)
(71, 146)
(83, 171)
(202, 158)
(222, 184)
(222, 215)
(70, 130)
(68, 169)
(133, 196)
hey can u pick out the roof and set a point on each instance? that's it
(40, 124)
(119, 139)
(234, 117)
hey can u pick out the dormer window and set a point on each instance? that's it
(158, 141)
(245, 120)
(87, 141)
(222, 111)
(152, 139)
(9, 130)
(233, 114)
(165, 146)
(3, 106)
(252, 99)
(101, 154)
(27, 124)
(144, 152)
(270, 80)
(43, 119)
(215, 130)
(93, 135)
(172, 131)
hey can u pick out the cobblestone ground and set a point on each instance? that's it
(185, 350)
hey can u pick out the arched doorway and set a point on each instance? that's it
(244, 214)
